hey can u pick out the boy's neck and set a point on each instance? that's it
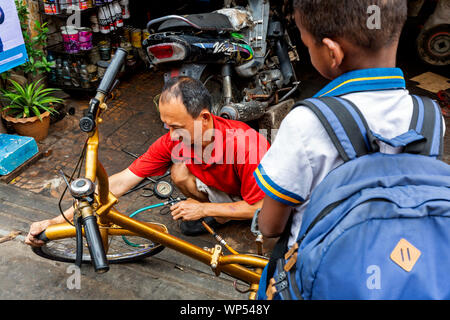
(357, 58)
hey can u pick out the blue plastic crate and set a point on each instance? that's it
(14, 151)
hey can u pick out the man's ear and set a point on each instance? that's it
(336, 54)
(205, 116)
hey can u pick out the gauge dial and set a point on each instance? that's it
(163, 189)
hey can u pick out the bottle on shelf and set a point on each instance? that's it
(66, 74)
(111, 13)
(84, 77)
(125, 9)
(68, 5)
(74, 75)
(118, 14)
(59, 72)
(73, 4)
(83, 5)
(52, 73)
(93, 77)
(63, 4)
(52, 7)
(103, 21)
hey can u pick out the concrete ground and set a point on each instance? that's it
(25, 275)
(131, 123)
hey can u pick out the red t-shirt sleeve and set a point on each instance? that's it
(250, 190)
(156, 160)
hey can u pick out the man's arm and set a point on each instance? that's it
(193, 210)
(119, 183)
(122, 182)
(273, 217)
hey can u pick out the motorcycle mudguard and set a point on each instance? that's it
(190, 70)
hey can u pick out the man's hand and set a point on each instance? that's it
(35, 229)
(189, 209)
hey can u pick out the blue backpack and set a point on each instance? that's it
(378, 226)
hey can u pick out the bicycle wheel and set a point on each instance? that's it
(121, 250)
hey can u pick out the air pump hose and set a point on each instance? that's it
(144, 209)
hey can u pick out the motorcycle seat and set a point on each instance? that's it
(204, 21)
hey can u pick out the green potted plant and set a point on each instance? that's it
(28, 108)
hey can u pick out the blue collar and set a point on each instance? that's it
(364, 80)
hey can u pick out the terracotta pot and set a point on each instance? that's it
(31, 127)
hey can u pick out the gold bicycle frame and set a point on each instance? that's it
(235, 265)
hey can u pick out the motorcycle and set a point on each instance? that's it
(234, 47)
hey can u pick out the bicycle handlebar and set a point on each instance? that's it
(41, 236)
(112, 71)
(87, 122)
(95, 244)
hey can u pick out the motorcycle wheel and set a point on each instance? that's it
(433, 45)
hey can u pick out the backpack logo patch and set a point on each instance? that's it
(405, 255)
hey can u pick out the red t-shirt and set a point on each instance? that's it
(227, 164)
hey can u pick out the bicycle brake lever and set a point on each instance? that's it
(65, 180)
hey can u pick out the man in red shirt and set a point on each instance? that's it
(211, 160)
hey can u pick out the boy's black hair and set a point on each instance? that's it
(347, 19)
(190, 91)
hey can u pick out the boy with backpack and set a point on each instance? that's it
(374, 227)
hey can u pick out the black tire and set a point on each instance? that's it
(433, 45)
(65, 250)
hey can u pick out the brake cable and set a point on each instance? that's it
(77, 167)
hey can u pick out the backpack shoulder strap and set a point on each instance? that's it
(344, 124)
(353, 138)
(278, 251)
(427, 120)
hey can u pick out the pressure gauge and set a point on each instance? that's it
(163, 189)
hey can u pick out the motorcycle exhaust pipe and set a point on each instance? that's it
(244, 111)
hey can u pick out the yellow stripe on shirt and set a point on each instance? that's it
(275, 192)
(362, 79)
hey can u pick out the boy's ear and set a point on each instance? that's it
(336, 54)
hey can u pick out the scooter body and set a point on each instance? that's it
(246, 48)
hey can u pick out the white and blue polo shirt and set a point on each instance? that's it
(303, 153)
